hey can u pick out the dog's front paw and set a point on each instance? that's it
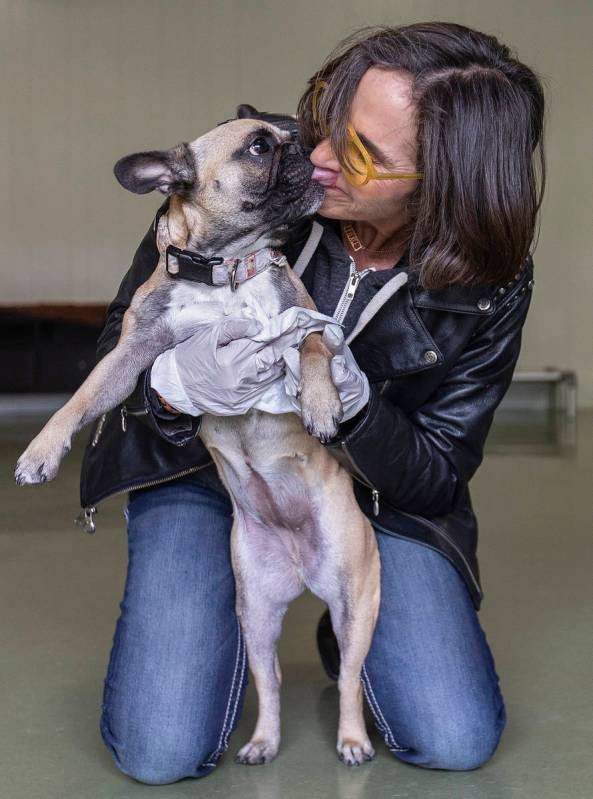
(321, 410)
(354, 752)
(257, 752)
(40, 461)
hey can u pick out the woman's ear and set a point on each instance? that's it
(167, 171)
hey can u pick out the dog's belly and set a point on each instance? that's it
(262, 459)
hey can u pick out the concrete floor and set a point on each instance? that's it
(60, 589)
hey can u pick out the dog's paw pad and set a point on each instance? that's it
(354, 753)
(256, 753)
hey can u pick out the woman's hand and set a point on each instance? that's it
(225, 368)
(218, 370)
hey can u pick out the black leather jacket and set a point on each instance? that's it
(438, 362)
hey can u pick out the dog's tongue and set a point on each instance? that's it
(327, 177)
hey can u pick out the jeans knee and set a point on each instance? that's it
(154, 773)
(161, 767)
(157, 761)
(462, 746)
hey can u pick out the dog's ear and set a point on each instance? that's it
(167, 171)
(246, 111)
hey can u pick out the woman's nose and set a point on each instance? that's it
(323, 156)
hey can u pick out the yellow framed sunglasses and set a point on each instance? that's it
(359, 168)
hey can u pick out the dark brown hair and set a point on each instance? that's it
(480, 115)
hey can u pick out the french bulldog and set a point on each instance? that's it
(234, 194)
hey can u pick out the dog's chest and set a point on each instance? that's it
(257, 297)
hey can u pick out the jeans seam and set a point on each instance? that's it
(226, 730)
(236, 703)
(380, 721)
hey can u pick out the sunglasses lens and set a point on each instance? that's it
(356, 168)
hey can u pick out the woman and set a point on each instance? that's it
(425, 137)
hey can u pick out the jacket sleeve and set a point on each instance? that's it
(422, 462)
(174, 429)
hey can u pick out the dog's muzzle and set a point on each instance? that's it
(294, 170)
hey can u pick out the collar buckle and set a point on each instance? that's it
(233, 275)
(189, 265)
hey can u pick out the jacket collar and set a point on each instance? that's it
(477, 300)
(414, 349)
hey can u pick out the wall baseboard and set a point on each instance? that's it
(78, 313)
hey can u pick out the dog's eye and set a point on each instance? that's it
(259, 146)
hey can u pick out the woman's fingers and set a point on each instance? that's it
(274, 352)
(234, 327)
(333, 338)
(339, 371)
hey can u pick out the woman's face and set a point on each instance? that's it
(383, 115)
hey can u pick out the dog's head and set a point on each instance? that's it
(248, 180)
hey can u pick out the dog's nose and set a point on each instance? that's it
(295, 148)
(302, 149)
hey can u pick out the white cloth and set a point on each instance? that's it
(226, 368)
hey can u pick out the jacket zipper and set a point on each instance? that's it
(361, 477)
(85, 518)
(349, 291)
(339, 314)
(99, 430)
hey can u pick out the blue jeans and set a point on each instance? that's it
(177, 674)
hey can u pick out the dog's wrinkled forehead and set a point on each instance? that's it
(231, 140)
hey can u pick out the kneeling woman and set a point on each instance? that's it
(428, 139)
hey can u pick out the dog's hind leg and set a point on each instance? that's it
(263, 595)
(354, 609)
